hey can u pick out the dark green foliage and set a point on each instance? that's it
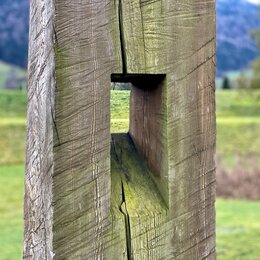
(226, 83)
(255, 81)
(243, 81)
(256, 35)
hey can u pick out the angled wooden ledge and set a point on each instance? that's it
(142, 81)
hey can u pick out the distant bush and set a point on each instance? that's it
(239, 183)
(242, 82)
(252, 83)
(255, 81)
(226, 83)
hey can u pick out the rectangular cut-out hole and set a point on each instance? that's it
(120, 104)
(147, 120)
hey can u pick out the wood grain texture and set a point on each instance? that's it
(75, 206)
(81, 180)
(144, 204)
(38, 218)
(148, 129)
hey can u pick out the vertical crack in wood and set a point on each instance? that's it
(142, 20)
(123, 210)
(55, 127)
(122, 37)
(122, 206)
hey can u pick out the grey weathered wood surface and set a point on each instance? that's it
(38, 210)
(72, 194)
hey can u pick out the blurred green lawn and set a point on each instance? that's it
(238, 225)
(11, 208)
(238, 230)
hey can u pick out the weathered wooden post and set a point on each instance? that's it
(148, 194)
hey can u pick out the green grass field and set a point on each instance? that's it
(238, 230)
(238, 125)
(238, 225)
(11, 208)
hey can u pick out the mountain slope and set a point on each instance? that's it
(235, 46)
(14, 31)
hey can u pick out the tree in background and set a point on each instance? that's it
(226, 83)
(243, 81)
(254, 81)
(256, 36)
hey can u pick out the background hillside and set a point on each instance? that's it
(235, 47)
(14, 31)
(235, 19)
